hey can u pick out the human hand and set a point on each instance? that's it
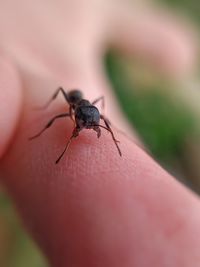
(94, 208)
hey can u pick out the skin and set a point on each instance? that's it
(94, 208)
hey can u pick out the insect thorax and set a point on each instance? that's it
(74, 96)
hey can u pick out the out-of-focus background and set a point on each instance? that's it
(163, 113)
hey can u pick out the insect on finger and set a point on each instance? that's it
(84, 114)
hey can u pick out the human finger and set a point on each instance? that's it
(96, 208)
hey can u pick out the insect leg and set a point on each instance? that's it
(108, 124)
(75, 133)
(49, 124)
(101, 98)
(60, 89)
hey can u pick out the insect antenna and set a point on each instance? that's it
(113, 137)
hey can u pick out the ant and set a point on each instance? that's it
(83, 113)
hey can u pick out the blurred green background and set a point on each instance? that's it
(164, 123)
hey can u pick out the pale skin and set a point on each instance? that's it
(94, 208)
